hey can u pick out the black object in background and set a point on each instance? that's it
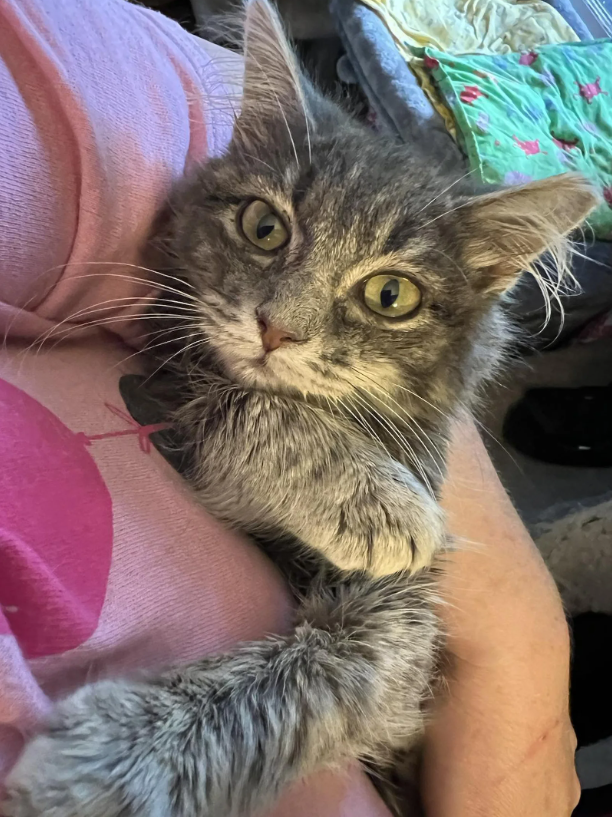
(595, 803)
(563, 426)
(591, 678)
(591, 701)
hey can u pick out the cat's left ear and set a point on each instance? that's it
(506, 231)
(274, 107)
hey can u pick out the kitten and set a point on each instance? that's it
(334, 304)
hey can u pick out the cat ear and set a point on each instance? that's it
(506, 231)
(273, 101)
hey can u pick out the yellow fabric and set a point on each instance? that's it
(431, 92)
(468, 27)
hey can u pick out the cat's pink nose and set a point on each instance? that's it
(273, 337)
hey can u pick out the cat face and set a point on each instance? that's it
(322, 274)
(327, 260)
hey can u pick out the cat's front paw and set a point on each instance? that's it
(89, 762)
(389, 532)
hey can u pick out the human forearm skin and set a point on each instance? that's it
(500, 743)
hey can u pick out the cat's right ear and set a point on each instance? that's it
(273, 107)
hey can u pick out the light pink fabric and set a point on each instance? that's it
(106, 562)
(103, 106)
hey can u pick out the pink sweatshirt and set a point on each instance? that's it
(106, 563)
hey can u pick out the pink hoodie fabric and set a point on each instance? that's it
(107, 565)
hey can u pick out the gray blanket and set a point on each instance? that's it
(391, 87)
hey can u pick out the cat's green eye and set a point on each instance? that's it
(261, 225)
(391, 296)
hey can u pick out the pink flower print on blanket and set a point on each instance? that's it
(470, 94)
(590, 90)
(529, 148)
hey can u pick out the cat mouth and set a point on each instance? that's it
(250, 371)
(260, 371)
(261, 361)
(263, 368)
(277, 373)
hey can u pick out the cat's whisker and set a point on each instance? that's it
(496, 440)
(137, 353)
(67, 331)
(446, 189)
(413, 458)
(330, 406)
(154, 285)
(412, 394)
(140, 352)
(144, 351)
(36, 296)
(140, 267)
(422, 436)
(447, 213)
(268, 82)
(428, 444)
(265, 164)
(179, 339)
(407, 418)
(360, 420)
(403, 443)
(199, 342)
(435, 455)
(41, 339)
(104, 306)
(308, 140)
(451, 261)
(400, 439)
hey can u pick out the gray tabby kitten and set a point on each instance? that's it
(335, 302)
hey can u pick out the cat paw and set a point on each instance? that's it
(87, 764)
(389, 534)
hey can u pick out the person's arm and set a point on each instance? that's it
(500, 743)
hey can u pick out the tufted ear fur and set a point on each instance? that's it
(273, 102)
(506, 231)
